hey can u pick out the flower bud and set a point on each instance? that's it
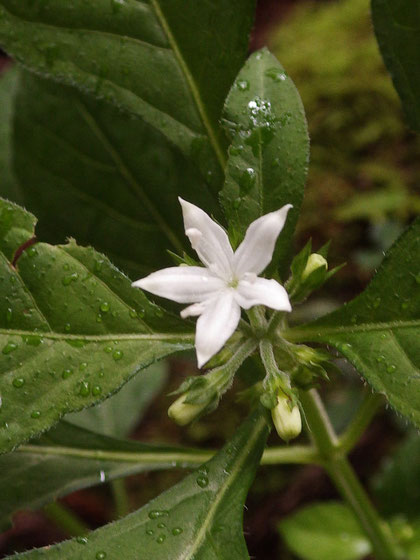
(183, 413)
(287, 421)
(314, 263)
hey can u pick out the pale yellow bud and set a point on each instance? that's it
(183, 413)
(288, 423)
(315, 261)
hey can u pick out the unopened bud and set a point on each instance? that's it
(315, 262)
(183, 413)
(287, 421)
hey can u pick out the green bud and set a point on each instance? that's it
(183, 413)
(287, 421)
(315, 262)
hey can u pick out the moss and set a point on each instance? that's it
(360, 142)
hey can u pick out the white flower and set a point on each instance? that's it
(228, 281)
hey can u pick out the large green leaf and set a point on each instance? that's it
(268, 158)
(69, 458)
(8, 187)
(72, 330)
(379, 331)
(328, 531)
(200, 518)
(118, 415)
(170, 62)
(98, 175)
(397, 28)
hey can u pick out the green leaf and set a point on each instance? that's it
(96, 174)
(397, 28)
(174, 72)
(325, 530)
(8, 187)
(69, 458)
(72, 330)
(379, 331)
(397, 485)
(119, 415)
(199, 518)
(268, 158)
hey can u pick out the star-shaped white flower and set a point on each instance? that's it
(228, 281)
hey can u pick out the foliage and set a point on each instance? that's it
(129, 105)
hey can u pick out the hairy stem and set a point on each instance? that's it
(345, 479)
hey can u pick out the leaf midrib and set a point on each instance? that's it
(198, 541)
(181, 337)
(218, 150)
(319, 332)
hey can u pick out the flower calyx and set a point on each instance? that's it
(309, 272)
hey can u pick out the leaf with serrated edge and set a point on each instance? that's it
(200, 518)
(379, 331)
(69, 458)
(397, 28)
(173, 72)
(268, 158)
(72, 330)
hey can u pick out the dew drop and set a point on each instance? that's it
(202, 481)
(142, 313)
(133, 313)
(18, 382)
(177, 531)
(100, 555)
(83, 366)
(10, 346)
(82, 540)
(32, 252)
(156, 513)
(391, 368)
(67, 280)
(108, 349)
(35, 414)
(117, 355)
(67, 327)
(84, 389)
(159, 312)
(66, 373)
(96, 390)
(149, 532)
(9, 314)
(161, 539)
(104, 307)
(98, 266)
(161, 525)
(242, 85)
(247, 179)
(99, 318)
(276, 74)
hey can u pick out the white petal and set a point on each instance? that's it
(193, 310)
(256, 250)
(262, 292)
(208, 239)
(216, 325)
(184, 284)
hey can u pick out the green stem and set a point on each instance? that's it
(185, 459)
(369, 407)
(119, 492)
(345, 480)
(271, 367)
(65, 519)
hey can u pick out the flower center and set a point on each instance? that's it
(234, 282)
